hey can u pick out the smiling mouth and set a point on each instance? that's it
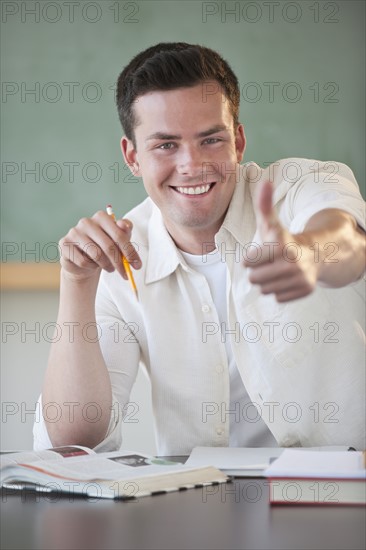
(196, 190)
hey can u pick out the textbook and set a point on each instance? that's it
(77, 470)
(323, 478)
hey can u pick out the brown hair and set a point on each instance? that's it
(171, 65)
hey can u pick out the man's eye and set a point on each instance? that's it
(166, 146)
(212, 140)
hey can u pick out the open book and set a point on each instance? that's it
(78, 470)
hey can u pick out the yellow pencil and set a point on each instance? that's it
(126, 265)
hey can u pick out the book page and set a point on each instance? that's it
(110, 466)
(56, 453)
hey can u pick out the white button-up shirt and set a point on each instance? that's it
(302, 362)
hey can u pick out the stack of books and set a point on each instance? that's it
(322, 478)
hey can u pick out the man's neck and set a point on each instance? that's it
(193, 243)
(196, 248)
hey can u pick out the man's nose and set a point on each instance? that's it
(190, 162)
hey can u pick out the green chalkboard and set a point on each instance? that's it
(300, 65)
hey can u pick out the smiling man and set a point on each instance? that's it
(250, 316)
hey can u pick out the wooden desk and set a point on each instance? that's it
(235, 515)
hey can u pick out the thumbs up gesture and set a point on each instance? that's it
(283, 264)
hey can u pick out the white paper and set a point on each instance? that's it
(245, 461)
(233, 458)
(322, 464)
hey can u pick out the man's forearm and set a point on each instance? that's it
(77, 380)
(338, 245)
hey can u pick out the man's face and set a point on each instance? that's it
(186, 152)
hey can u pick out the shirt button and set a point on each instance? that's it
(219, 369)
(206, 308)
(219, 431)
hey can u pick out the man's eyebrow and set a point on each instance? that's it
(213, 130)
(205, 133)
(161, 135)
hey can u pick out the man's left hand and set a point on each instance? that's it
(284, 264)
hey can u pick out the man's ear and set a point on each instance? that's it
(130, 155)
(240, 142)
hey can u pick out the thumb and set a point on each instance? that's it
(265, 199)
(267, 220)
(128, 249)
(126, 226)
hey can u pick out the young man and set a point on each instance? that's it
(249, 319)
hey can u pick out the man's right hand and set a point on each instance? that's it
(97, 243)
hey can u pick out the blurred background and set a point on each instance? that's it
(301, 68)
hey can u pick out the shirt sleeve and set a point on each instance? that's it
(111, 442)
(322, 185)
(121, 352)
(41, 438)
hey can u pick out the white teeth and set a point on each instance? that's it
(194, 190)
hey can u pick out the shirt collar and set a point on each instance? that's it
(240, 218)
(163, 257)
